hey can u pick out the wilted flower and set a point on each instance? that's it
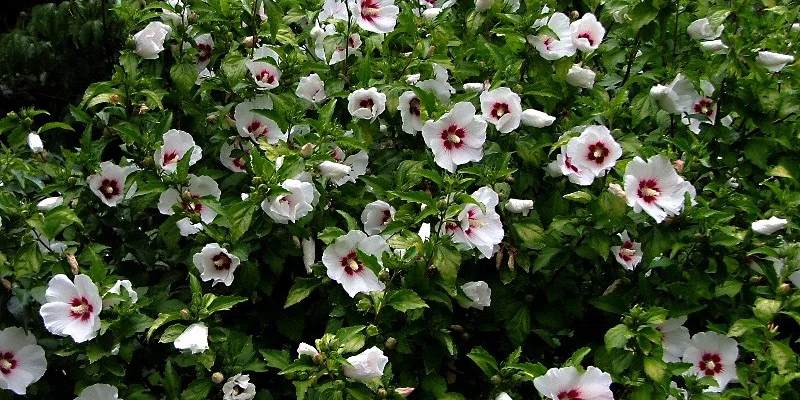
(72, 309)
(476, 228)
(234, 164)
(580, 77)
(553, 48)
(457, 138)
(568, 383)
(536, 118)
(702, 29)
(676, 98)
(773, 61)
(474, 87)
(35, 142)
(150, 40)
(99, 391)
(410, 112)
(595, 150)
(587, 33)
(519, 206)
(216, 263)
(49, 203)
(311, 88)
(655, 188)
(291, 206)
(714, 46)
(309, 248)
(376, 216)
(306, 349)
(194, 338)
(176, 144)
(238, 387)
(334, 170)
(712, 354)
(22, 361)
(617, 190)
(191, 202)
(109, 184)
(629, 255)
(251, 124)
(366, 103)
(366, 365)
(379, 16)
(344, 266)
(479, 293)
(769, 226)
(502, 107)
(674, 338)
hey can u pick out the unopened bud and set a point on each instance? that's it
(195, 218)
(257, 180)
(307, 150)
(404, 391)
(457, 328)
(364, 304)
(248, 41)
(678, 165)
(382, 393)
(784, 288)
(772, 327)
(12, 115)
(142, 109)
(187, 196)
(6, 283)
(230, 121)
(193, 17)
(148, 161)
(211, 117)
(107, 132)
(383, 275)
(574, 15)
(318, 358)
(465, 336)
(755, 279)
(496, 380)
(616, 190)
(451, 377)
(72, 180)
(390, 343)
(372, 330)
(217, 377)
(185, 314)
(296, 241)
(313, 380)
(338, 385)
(73, 264)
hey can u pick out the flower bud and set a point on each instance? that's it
(372, 330)
(49, 203)
(307, 150)
(519, 206)
(35, 143)
(249, 41)
(382, 393)
(230, 121)
(13, 116)
(148, 161)
(364, 304)
(211, 117)
(73, 264)
(404, 391)
(72, 181)
(338, 385)
(383, 275)
(296, 242)
(313, 380)
(318, 358)
(6, 283)
(616, 190)
(474, 87)
(217, 377)
(496, 380)
(784, 288)
(574, 14)
(195, 218)
(114, 99)
(457, 328)
(334, 170)
(390, 343)
(678, 165)
(185, 314)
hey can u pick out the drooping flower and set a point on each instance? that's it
(536, 118)
(22, 361)
(677, 97)
(72, 309)
(629, 254)
(117, 289)
(216, 263)
(35, 142)
(309, 248)
(176, 144)
(205, 46)
(712, 354)
(503, 108)
(336, 9)
(479, 293)
(702, 29)
(376, 216)
(410, 109)
(587, 33)
(773, 61)
(457, 138)
(191, 202)
(340, 53)
(305, 349)
(569, 384)
(550, 47)
(674, 338)
(289, 207)
(311, 88)
(238, 387)
(49, 203)
(655, 188)
(478, 229)
(595, 150)
(519, 206)
(99, 391)
(769, 226)
(714, 47)
(234, 164)
(343, 264)
(334, 170)
(580, 77)
(109, 184)
(702, 104)
(150, 40)
(357, 164)
(379, 16)
(255, 126)
(194, 338)
(366, 103)
(368, 364)
(439, 85)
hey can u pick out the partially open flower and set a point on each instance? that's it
(769, 226)
(629, 254)
(554, 47)
(366, 103)
(344, 266)
(714, 46)
(150, 40)
(309, 248)
(311, 88)
(519, 206)
(357, 164)
(773, 61)
(238, 387)
(340, 53)
(334, 170)
(569, 384)
(305, 349)
(674, 338)
(712, 354)
(49, 203)
(580, 77)
(676, 98)
(194, 338)
(655, 188)
(368, 364)
(191, 202)
(410, 109)
(479, 293)
(109, 184)
(457, 138)
(587, 33)
(379, 16)
(502, 107)
(289, 207)
(22, 361)
(176, 144)
(376, 216)
(99, 391)
(478, 229)
(536, 118)
(702, 29)
(117, 289)
(205, 46)
(234, 164)
(72, 309)
(35, 142)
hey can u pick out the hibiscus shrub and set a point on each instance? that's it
(357, 199)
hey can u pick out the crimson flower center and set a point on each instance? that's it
(474, 222)
(7, 362)
(170, 157)
(547, 42)
(413, 106)
(265, 76)
(204, 51)
(598, 152)
(453, 136)
(351, 263)
(370, 10)
(626, 252)
(256, 129)
(569, 165)
(710, 364)
(239, 163)
(366, 103)
(221, 262)
(110, 188)
(572, 394)
(587, 36)
(81, 308)
(386, 218)
(499, 109)
(648, 190)
(192, 206)
(704, 106)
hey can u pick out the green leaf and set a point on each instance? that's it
(240, 216)
(529, 233)
(55, 125)
(182, 170)
(447, 260)
(485, 361)
(519, 326)
(183, 76)
(730, 288)
(161, 320)
(577, 357)
(742, 326)
(278, 359)
(641, 15)
(171, 381)
(352, 224)
(655, 368)
(618, 336)
(330, 234)
(221, 303)
(404, 299)
(28, 261)
(172, 333)
(301, 289)
(784, 357)
(197, 390)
